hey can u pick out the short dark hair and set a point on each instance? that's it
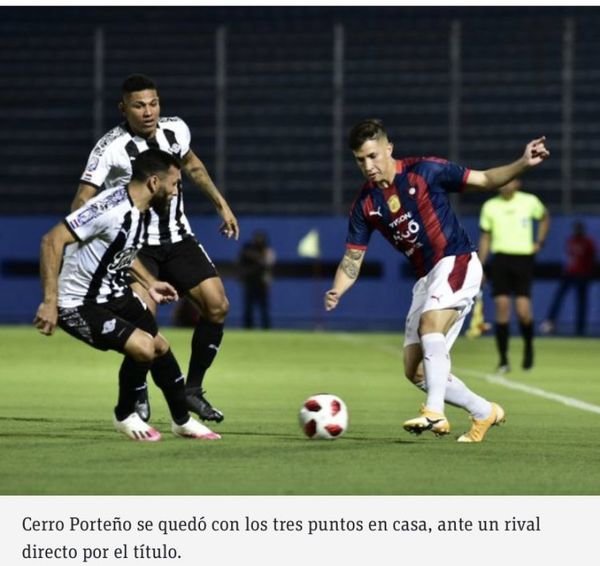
(370, 129)
(137, 82)
(153, 162)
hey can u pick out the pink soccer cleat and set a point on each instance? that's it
(136, 429)
(193, 429)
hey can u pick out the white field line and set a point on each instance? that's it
(491, 378)
(510, 384)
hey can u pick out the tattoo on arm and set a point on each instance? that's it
(351, 263)
(198, 174)
(356, 255)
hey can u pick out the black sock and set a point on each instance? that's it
(502, 342)
(168, 377)
(205, 345)
(132, 378)
(527, 333)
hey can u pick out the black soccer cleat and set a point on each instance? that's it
(142, 405)
(197, 403)
(528, 359)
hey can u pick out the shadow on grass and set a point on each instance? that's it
(321, 442)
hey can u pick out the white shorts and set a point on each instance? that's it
(452, 284)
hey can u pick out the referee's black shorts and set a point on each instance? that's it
(182, 264)
(512, 274)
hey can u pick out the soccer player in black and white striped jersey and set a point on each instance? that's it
(172, 252)
(89, 296)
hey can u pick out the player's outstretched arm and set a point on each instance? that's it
(51, 254)
(535, 152)
(345, 276)
(197, 172)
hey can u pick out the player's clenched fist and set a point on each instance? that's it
(162, 292)
(536, 151)
(45, 319)
(331, 299)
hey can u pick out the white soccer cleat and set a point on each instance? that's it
(194, 429)
(136, 429)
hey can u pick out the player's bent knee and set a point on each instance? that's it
(217, 311)
(140, 346)
(161, 346)
(142, 355)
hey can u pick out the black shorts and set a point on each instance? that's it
(107, 326)
(183, 264)
(512, 275)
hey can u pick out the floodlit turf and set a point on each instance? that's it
(57, 395)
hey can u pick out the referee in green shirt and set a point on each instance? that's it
(507, 230)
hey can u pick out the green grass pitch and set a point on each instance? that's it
(56, 434)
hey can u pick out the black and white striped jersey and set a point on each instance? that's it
(109, 165)
(110, 230)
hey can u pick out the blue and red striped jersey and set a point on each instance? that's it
(413, 213)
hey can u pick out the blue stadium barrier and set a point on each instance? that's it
(379, 301)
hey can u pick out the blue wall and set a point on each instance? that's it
(373, 303)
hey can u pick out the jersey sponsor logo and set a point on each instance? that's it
(92, 164)
(122, 260)
(394, 203)
(109, 326)
(409, 234)
(402, 218)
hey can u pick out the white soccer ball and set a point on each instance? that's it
(324, 416)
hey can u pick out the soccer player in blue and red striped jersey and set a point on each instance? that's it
(407, 201)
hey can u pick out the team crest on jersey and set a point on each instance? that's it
(109, 326)
(394, 203)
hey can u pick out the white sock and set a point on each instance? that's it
(436, 363)
(458, 394)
